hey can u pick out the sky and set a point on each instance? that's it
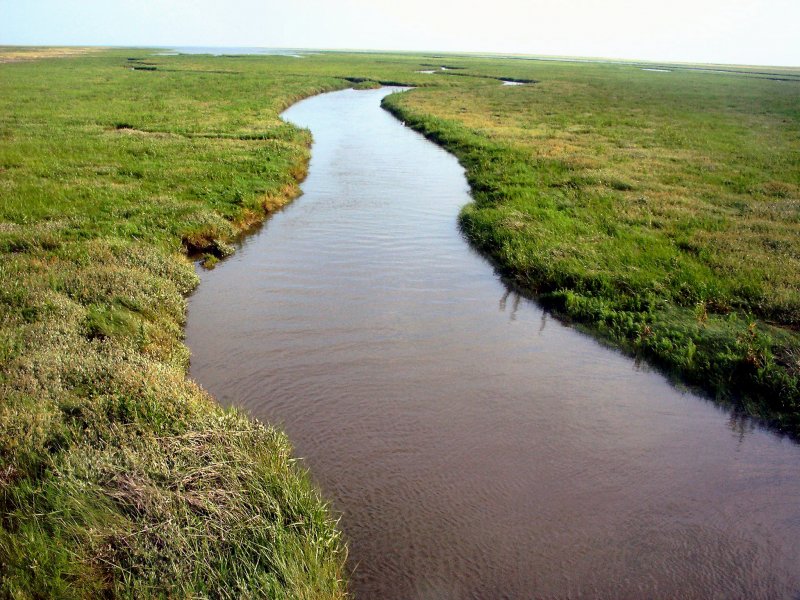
(760, 32)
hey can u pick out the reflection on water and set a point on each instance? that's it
(475, 448)
(515, 300)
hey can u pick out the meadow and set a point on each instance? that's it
(119, 476)
(658, 210)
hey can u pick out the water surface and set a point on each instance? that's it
(239, 50)
(475, 447)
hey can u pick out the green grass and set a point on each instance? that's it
(659, 210)
(119, 476)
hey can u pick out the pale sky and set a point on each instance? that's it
(764, 32)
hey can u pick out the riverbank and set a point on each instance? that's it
(456, 426)
(657, 210)
(121, 477)
(118, 476)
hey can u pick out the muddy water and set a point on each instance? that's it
(476, 447)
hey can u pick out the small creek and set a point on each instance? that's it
(476, 447)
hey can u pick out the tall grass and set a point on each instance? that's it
(118, 476)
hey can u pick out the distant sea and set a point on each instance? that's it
(223, 50)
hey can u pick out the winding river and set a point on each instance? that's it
(475, 447)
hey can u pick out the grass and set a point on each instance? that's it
(17, 53)
(659, 210)
(118, 476)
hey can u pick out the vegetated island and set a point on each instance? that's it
(658, 209)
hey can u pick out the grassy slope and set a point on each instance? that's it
(662, 210)
(117, 474)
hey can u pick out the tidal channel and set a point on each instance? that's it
(474, 446)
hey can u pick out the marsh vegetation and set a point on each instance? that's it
(119, 476)
(660, 211)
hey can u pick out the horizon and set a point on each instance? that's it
(452, 53)
(751, 33)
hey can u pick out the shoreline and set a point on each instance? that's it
(739, 384)
(118, 474)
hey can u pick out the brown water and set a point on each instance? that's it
(476, 447)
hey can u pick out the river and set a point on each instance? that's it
(475, 446)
